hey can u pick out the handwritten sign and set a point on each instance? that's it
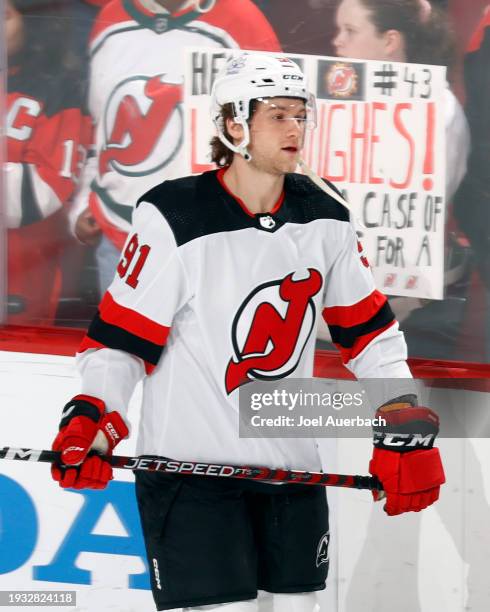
(380, 138)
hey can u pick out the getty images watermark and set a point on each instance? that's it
(303, 408)
(324, 408)
(298, 405)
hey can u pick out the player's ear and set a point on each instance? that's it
(234, 129)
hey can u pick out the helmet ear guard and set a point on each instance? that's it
(251, 76)
(240, 148)
(242, 119)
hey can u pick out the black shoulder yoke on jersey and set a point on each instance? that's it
(196, 206)
(305, 202)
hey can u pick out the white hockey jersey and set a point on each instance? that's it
(135, 99)
(209, 296)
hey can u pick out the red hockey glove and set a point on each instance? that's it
(84, 427)
(404, 459)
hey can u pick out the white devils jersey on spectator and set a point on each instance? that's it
(208, 297)
(136, 76)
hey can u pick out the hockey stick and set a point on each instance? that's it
(169, 466)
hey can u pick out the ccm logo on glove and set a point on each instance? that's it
(406, 427)
(404, 459)
(86, 426)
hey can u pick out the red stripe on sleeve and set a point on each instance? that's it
(355, 314)
(131, 321)
(88, 343)
(360, 344)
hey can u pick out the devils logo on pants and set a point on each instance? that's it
(282, 315)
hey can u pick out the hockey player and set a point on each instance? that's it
(47, 135)
(136, 74)
(221, 282)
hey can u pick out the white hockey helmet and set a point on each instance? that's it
(253, 76)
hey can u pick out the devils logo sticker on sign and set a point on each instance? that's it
(143, 126)
(271, 329)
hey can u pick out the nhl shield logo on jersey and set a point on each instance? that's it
(143, 126)
(322, 549)
(271, 328)
(161, 24)
(267, 222)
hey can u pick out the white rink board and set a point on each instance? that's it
(433, 561)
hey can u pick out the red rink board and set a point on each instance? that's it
(65, 341)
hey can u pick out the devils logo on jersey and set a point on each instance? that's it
(271, 329)
(141, 114)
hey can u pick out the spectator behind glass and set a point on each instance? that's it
(136, 74)
(407, 31)
(46, 135)
(415, 31)
(472, 202)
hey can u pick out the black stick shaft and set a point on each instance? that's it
(170, 466)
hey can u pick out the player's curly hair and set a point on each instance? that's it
(221, 155)
(428, 38)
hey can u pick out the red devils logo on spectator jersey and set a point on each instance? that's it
(143, 126)
(271, 329)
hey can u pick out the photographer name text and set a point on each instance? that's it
(318, 421)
